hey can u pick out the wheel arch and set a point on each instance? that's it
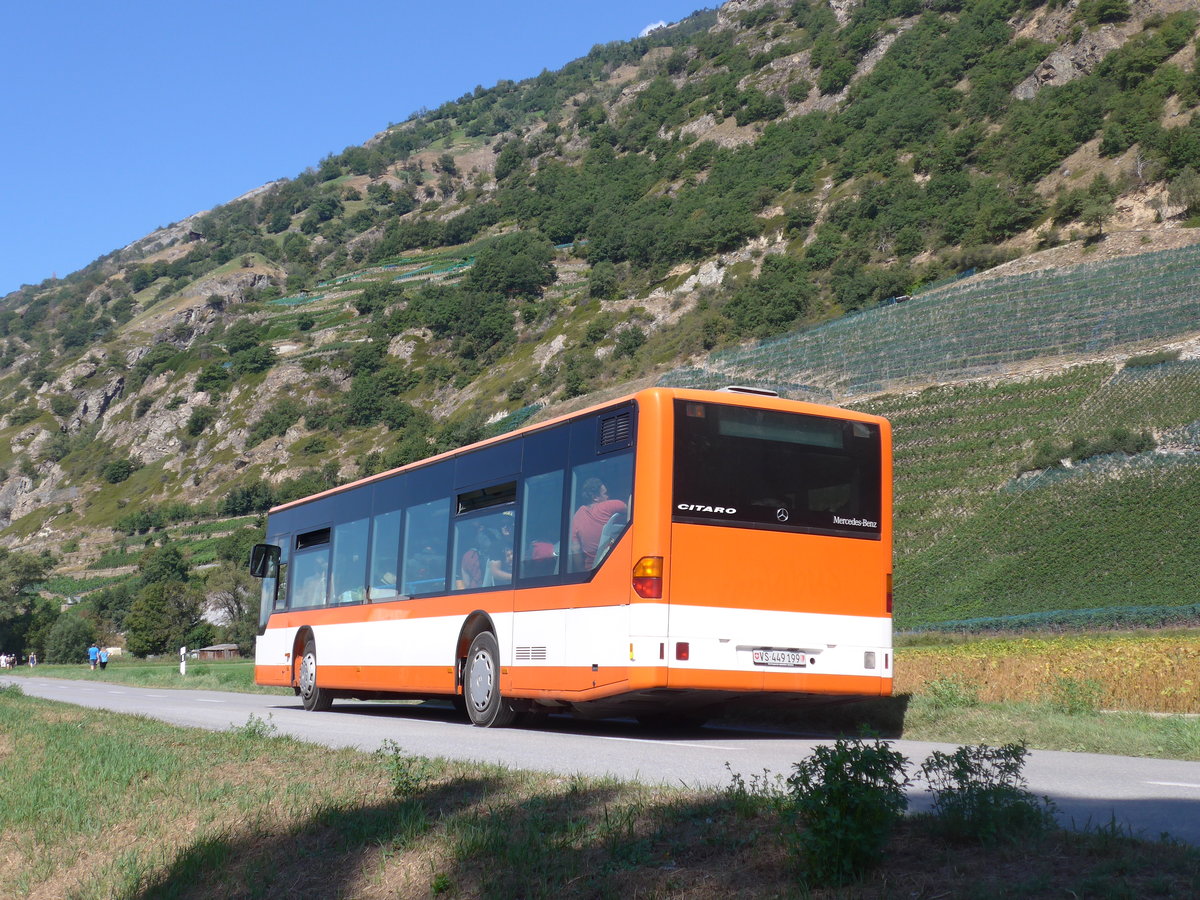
(474, 625)
(303, 635)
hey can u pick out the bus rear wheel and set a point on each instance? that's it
(481, 684)
(314, 698)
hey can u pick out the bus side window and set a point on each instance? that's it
(281, 593)
(483, 550)
(310, 569)
(541, 525)
(425, 547)
(312, 578)
(350, 561)
(602, 493)
(385, 555)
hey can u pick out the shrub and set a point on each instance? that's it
(1075, 697)
(847, 796)
(118, 470)
(69, 638)
(63, 405)
(201, 418)
(629, 340)
(952, 692)
(979, 795)
(24, 415)
(213, 378)
(1146, 360)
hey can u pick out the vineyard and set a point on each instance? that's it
(1061, 493)
(975, 327)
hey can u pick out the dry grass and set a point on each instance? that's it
(1147, 672)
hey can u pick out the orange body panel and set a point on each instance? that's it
(776, 570)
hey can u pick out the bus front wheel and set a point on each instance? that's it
(314, 698)
(481, 684)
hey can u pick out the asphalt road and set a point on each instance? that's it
(1147, 797)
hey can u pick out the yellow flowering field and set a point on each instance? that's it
(1147, 672)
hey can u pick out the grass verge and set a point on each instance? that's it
(215, 675)
(103, 805)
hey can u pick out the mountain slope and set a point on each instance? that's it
(747, 172)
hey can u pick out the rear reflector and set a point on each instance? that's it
(889, 592)
(648, 577)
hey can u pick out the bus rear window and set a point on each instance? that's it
(754, 468)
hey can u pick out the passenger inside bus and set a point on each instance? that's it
(471, 567)
(596, 511)
(500, 569)
(425, 571)
(484, 550)
(385, 587)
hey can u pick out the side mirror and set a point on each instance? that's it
(264, 561)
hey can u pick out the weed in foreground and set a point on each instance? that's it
(256, 728)
(979, 795)
(410, 775)
(847, 797)
(749, 799)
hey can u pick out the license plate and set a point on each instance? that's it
(778, 658)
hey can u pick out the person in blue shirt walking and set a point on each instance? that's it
(93, 655)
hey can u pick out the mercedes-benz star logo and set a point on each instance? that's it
(781, 515)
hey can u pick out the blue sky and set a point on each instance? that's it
(119, 118)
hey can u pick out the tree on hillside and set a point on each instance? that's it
(160, 564)
(520, 264)
(19, 575)
(1096, 211)
(243, 335)
(780, 296)
(1185, 190)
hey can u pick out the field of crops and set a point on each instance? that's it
(1139, 671)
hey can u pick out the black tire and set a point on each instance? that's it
(314, 698)
(481, 685)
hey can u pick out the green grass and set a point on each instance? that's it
(208, 675)
(101, 805)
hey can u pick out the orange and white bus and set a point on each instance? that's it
(658, 555)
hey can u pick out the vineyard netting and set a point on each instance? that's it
(1028, 499)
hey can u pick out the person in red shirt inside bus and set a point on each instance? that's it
(589, 522)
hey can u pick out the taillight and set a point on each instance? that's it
(683, 650)
(648, 577)
(889, 592)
